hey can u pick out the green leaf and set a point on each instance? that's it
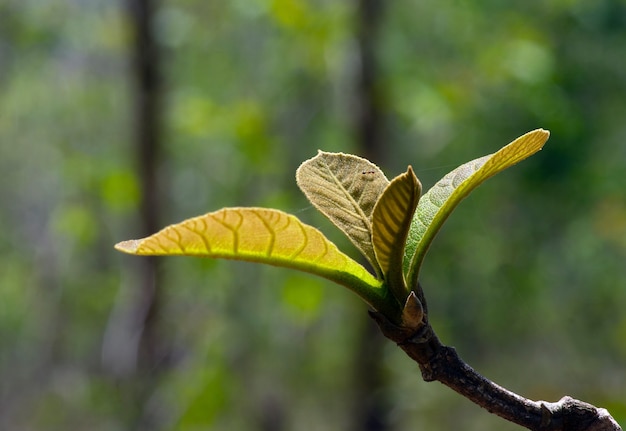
(345, 189)
(437, 204)
(391, 221)
(265, 236)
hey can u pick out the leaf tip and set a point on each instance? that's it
(410, 172)
(416, 182)
(540, 136)
(129, 246)
(545, 132)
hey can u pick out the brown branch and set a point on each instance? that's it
(442, 363)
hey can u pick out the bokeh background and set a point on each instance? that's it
(117, 118)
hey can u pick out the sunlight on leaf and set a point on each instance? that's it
(437, 204)
(265, 236)
(345, 189)
(391, 221)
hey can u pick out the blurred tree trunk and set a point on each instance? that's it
(369, 110)
(147, 112)
(149, 349)
(371, 409)
(148, 149)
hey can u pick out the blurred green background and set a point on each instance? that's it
(527, 279)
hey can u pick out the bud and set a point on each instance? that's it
(413, 312)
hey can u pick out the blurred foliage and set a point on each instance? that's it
(527, 278)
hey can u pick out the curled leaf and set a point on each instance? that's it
(265, 236)
(437, 204)
(391, 221)
(345, 189)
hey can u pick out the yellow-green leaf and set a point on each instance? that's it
(391, 221)
(345, 189)
(265, 236)
(437, 204)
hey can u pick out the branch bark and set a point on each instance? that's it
(442, 363)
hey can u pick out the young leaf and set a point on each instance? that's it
(265, 236)
(391, 221)
(345, 189)
(437, 204)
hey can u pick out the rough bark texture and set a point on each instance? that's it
(442, 363)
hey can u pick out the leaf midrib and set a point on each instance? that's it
(355, 204)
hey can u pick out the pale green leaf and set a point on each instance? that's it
(345, 189)
(391, 221)
(265, 236)
(437, 204)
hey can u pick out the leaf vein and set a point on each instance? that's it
(272, 241)
(305, 240)
(234, 229)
